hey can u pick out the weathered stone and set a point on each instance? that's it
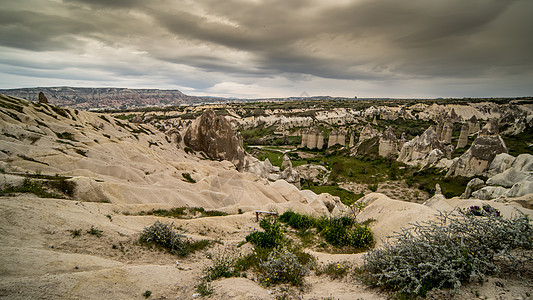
(500, 163)
(520, 189)
(463, 136)
(420, 149)
(213, 135)
(286, 162)
(291, 176)
(523, 162)
(352, 140)
(490, 192)
(304, 139)
(388, 143)
(478, 158)
(473, 125)
(368, 132)
(320, 140)
(42, 98)
(509, 177)
(446, 135)
(313, 173)
(472, 186)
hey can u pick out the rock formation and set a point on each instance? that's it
(304, 139)
(479, 156)
(213, 135)
(388, 143)
(313, 173)
(352, 140)
(463, 136)
(368, 132)
(473, 125)
(472, 186)
(446, 134)
(42, 98)
(291, 176)
(336, 137)
(320, 140)
(286, 162)
(422, 150)
(312, 138)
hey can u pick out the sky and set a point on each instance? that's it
(272, 48)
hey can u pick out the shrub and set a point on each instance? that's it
(224, 266)
(333, 270)
(164, 236)
(271, 237)
(486, 210)
(95, 231)
(457, 247)
(296, 221)
(282, 266)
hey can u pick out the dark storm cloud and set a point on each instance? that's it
(377, 40)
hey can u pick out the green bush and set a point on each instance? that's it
(271, 237)
(296, 221)
(456, 248)
(282, 266)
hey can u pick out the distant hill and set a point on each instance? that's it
(109, 98)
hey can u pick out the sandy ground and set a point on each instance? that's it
(39, 258)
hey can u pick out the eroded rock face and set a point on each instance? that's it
(500, 163)
(368, 132)
(418, 150)
(291, 176)
(472, 186)
(213, 135)
(463, 136)
(388, 143)
(286, 162)
(313, 173)
(477, 159)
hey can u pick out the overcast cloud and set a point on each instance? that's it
(275, 48)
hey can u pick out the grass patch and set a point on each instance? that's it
(518, 144)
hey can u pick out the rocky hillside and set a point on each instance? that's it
(106, 98)
(78, 190)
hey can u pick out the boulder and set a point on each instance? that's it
(472, 186)
(291, 176)
(509, 177)
(523, 162)
(490, 192)
(500, 163)
(477, 159)
(520, 189)
(313, 173)
(214, 136)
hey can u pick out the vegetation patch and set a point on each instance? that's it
(184, 212)
(163, 236)
(65, 135)
(456, 248)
